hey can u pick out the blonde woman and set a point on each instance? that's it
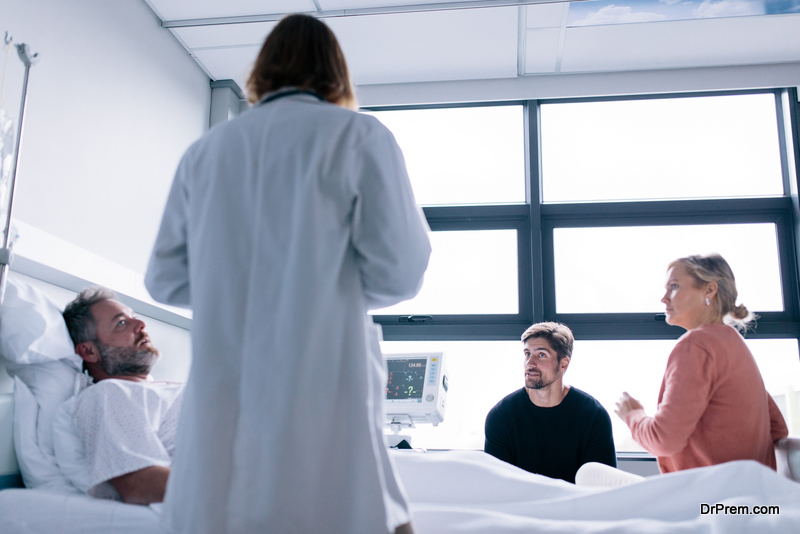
(712, 407)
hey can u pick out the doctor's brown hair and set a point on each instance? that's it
(301, 51)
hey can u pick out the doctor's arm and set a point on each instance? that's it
(389, 230)
(167, 277)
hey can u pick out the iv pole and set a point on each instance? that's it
(28, 59)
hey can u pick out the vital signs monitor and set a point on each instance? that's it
(416, 389)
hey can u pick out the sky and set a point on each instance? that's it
(598, 12)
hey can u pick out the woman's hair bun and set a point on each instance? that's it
(740, 311)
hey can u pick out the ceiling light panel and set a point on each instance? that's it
(546, 15)
(224, 35)
(330, 5)
(200, 9)
(541, 50)
(685, 43)
(430, 46)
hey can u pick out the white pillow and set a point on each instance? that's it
(32, 329)
(37, 469)
(39, 354)
(50, 384)
(70, 452)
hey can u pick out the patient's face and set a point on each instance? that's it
(124, 346)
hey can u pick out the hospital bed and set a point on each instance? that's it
(448, 491)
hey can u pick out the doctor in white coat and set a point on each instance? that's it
(282, 228)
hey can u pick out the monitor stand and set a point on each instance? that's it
(395, 441)
(394, 438)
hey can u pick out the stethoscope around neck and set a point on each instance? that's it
(289, 92)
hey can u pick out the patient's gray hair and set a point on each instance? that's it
(78, 314)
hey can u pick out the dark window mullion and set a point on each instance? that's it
(631, 326)
(533, 169)
(475, 214)
(661, 96)
(666, 212)
(789, 120)
(787, 255)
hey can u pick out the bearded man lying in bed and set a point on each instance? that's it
(126, 420)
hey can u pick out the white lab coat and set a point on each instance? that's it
(282, 228)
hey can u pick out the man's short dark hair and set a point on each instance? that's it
(558, 335)
(78, 314)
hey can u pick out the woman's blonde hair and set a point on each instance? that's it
(714, 268)
(301, 51)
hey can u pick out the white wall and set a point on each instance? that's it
(112, 106)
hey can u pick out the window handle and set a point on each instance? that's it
(415, 318)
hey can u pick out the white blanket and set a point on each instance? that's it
(472, 492)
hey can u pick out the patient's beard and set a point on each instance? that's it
(126, 361)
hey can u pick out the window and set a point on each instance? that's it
(470, 272)
(661, 148)
(464, 155)
(596, 267)
(467, 167)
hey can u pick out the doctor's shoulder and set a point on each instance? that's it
(369, 123)
(366, 127)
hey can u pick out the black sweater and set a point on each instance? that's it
(554, 441)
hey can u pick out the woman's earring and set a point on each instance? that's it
(708, 302)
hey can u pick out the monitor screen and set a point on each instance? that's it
(416, 388)
(406, 379)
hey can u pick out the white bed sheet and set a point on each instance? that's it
(29, 511)
(471, 492)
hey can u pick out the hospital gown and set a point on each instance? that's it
(282, 228)
(126, 426)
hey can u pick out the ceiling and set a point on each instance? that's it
(397, 41)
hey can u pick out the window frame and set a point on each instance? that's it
(776, 211)
(535, 222)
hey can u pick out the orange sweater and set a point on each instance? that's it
(712, 407)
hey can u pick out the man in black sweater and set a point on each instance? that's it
(547, 427)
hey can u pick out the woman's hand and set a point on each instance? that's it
(627, 404)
